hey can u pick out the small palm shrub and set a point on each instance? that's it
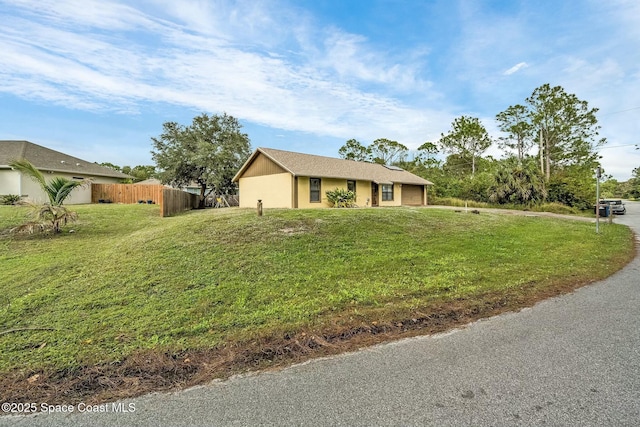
(341, 198)
(46, 218)
(10, 199)
(49, 216)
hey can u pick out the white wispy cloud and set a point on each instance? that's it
(519, 66)
(79, 56)
(275, 64)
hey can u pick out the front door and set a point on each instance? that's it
(374, 194)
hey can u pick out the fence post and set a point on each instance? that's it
(259, 207)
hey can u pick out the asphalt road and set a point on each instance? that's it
(568, 361)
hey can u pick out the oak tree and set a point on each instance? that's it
(208, 152)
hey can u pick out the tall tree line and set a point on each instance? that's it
(549, 143)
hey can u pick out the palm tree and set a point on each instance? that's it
(50, 215)
(46, 217)
(519, 183)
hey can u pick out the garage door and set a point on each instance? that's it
(412, 195)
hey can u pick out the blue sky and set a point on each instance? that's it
(98, 78)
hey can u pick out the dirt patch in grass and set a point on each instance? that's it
(149, 371)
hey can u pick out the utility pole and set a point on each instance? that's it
(598, 174)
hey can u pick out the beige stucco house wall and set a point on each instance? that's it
(363, 191)
(275, 191)
(10, 182)
(282, 179)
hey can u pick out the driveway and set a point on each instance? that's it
(568, 361)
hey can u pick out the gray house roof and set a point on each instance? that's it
(299, 164)
(150, 181)
(46, 159)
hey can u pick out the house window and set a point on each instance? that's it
(387, 192)
(351, 186)
(314, 189)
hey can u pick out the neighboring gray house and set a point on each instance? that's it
(192, 187)
(151, 181)
(51, 163)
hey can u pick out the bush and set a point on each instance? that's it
(10, 199)
(557, 208)
(341, 198)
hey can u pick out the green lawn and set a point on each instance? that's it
(128, 280)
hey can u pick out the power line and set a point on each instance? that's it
(618, 146)
(621, 111)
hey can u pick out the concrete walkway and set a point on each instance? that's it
(568, 361)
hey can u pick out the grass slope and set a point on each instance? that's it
(128, 281)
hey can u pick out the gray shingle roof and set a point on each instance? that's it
(50, 160)
(300, 164)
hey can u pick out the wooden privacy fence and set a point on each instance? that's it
(126, 193)
(171, 200)
(174, 201)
